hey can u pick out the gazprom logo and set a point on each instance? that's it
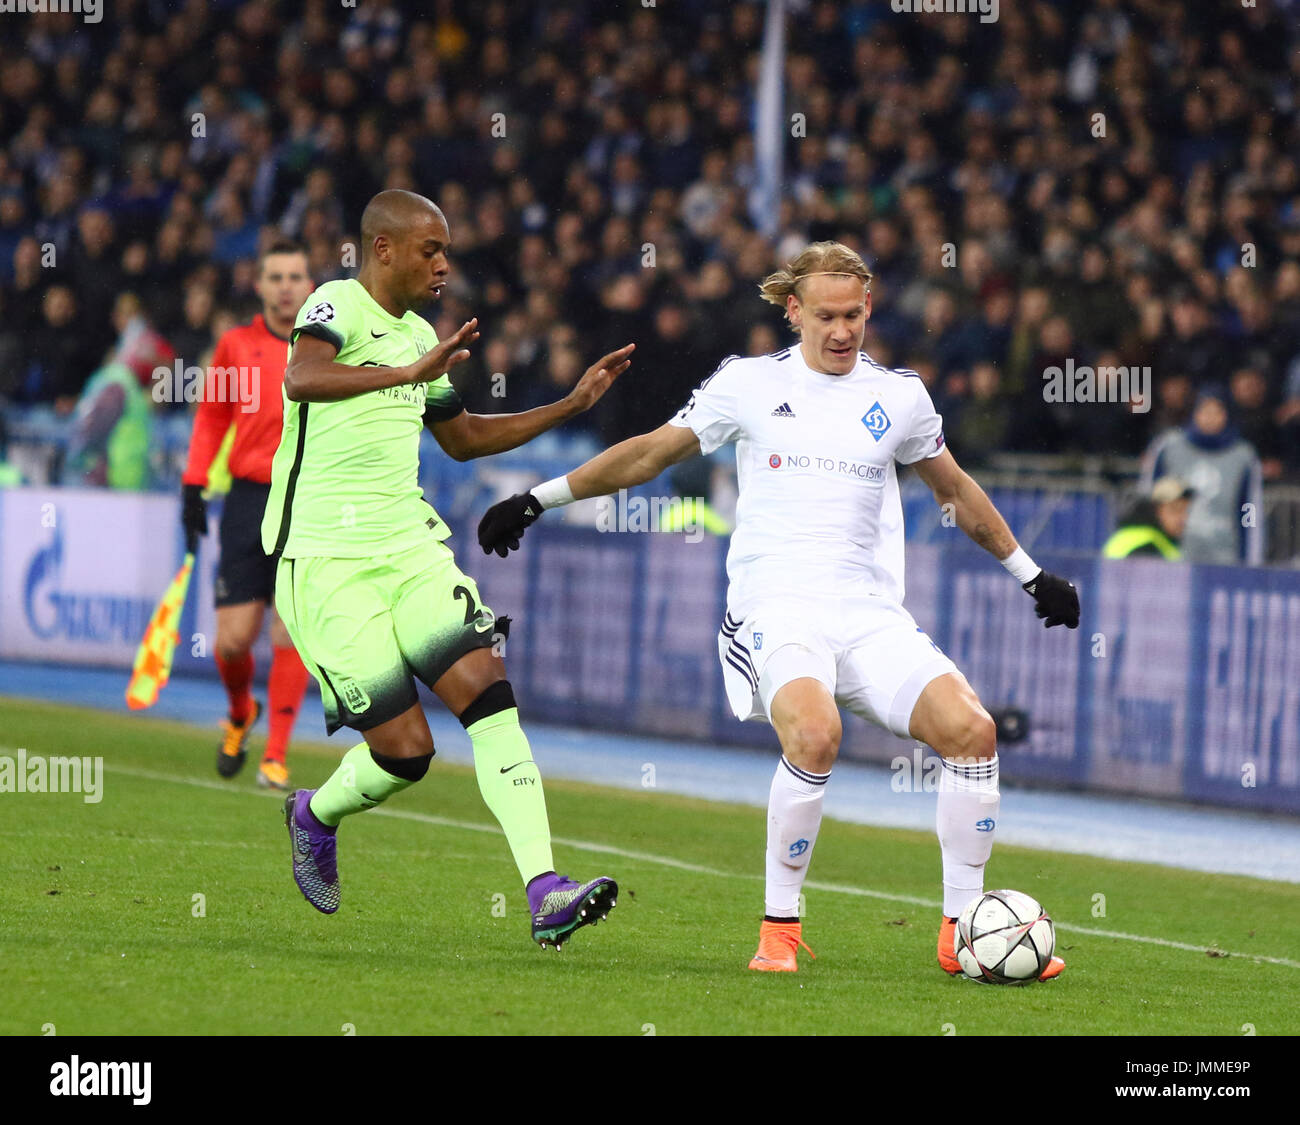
(876, 421)
(55, 613)
(41, 588)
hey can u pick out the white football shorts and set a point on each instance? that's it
(868, 651)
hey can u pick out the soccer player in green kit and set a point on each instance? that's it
(370, 593)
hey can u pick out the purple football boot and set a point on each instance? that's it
(315, 853)
(559, 906)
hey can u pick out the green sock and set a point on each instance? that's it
(511, 786)
(358, 784)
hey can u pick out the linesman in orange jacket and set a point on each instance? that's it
(242, 388)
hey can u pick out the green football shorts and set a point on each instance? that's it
(366, 627)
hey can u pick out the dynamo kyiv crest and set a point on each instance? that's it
(876, 421)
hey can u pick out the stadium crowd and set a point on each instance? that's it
(1105, 182)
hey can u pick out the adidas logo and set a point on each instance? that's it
(784, 411)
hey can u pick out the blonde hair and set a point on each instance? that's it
(819, 259)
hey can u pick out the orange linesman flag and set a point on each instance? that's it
(153, 660)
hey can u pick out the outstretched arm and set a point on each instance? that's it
(467, 435)
(624, 465)
(1055, 599)
(632, 462)
(311, 374)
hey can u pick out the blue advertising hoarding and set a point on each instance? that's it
(1181, 681)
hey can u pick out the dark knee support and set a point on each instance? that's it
(408, 769)
(495, 698)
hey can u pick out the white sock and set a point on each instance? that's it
(794, 814)
(968, 813)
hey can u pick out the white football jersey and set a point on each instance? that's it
(818, 513)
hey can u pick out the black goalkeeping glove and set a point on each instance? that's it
(1055, 600)
(503, 524)
(194, 514)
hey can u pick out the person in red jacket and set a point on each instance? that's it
(242, 388)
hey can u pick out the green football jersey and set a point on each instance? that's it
(343, 480)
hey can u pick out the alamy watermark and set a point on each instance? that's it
(919, 772)
(91, 11)
(987, 10)
(37, 773)
(101, 1079)
(655, 513)
(179, 383)
(1101, 384)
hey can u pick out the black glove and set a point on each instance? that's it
(194, 514)
(1055, 599)
(502, 524)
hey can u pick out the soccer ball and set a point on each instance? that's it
(1004, 937)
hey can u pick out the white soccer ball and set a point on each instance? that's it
(1004, 937)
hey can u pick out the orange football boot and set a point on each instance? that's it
(1054, 968)
(778, 944)
(234, 742)
(947, 944)
(272, 775)
(949, 963)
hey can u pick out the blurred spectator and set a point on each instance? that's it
(1032, 311)
(1193, 347)
(1100, 314)
(10, 477)
(1252, 413)
(1154, 525)
(97, 277)
(1287, 418)
(26, 295)
(56, 360)
(706, 201)
(235, 231)
(317, 192)
(13, 349)
(983, 422)
(944, 336)
(670, 361)
(192, 337)
(109, 443)
(563, 368)
(1118, 428)
(13, 225)
(568, 142)
(1225, 524)
(1174, 401)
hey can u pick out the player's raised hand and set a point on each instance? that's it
(596, 379)
(1055, 600)
(502, 524)
(436, 362)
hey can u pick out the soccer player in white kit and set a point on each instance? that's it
(814, 615)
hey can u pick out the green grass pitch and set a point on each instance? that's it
(101, 932)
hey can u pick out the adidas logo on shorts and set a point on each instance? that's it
(784, 411)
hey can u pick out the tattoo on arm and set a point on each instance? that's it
(984, 535)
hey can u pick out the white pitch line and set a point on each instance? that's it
(153, 840)
(700, 869)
